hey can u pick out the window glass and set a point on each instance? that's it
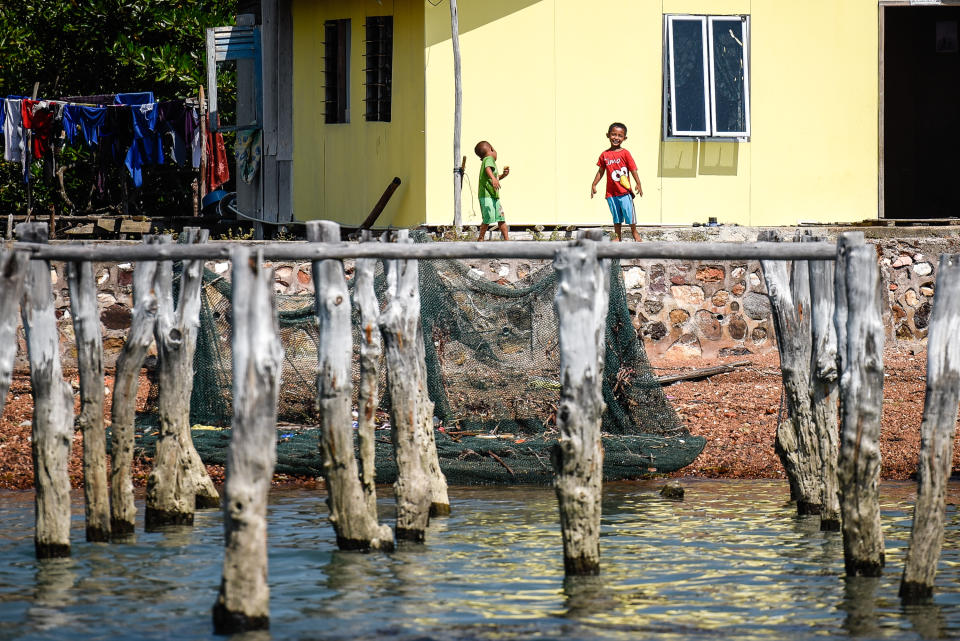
(688, 87)
(379, 67)
(336, 70)
(729, 76)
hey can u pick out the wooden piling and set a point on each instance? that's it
(52, 405)
(13, 269)
(797, 444)
(824, 377)
(243, 603)
(861, 391)
(178, 483)
(89, 340)
(936, 435)
(370, 353)
(356, 527)
(123, 405)
(581, 304)
(400, 324)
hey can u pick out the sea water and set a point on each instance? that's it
(730, 561)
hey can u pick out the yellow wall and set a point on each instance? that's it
(544, 78)
(341, 170)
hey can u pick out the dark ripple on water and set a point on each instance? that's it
(730, 561)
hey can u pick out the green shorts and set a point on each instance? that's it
(491, 210)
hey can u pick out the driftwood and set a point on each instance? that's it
(704, 372)
(581, 305)
(861, 388)
(52, 405)
(410, 403)
(13, 269)
(356, 527)
(86, 328)
(797, 444)
(936, 435)
(123, 511)
(823, 383)
(368, 397)
(506, 249)
(178, 483)
(244, 600)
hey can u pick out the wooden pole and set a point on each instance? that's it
(797, 443)
(457, 115)
(52, 406)
(581, 305)
(356, 527)
(400, 323)
(243, 603)
(123, 406)
(86, 329)
(13, 269)
(178, 483)
(936, 434)
(505, 249)
(381, 204)
(861, 388)
(823, 382)
(370, 353)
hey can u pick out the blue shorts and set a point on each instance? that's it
(622, 209)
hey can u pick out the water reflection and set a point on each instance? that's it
(53, 592)
(732, 560)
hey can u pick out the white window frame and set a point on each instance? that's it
(670, 131)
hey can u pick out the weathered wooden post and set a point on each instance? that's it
(356, 527)
(861, 391)
(13, 269)
(244, 600)
(123, 511)
(178, 483)
(368, 397)
(52, 405)
(581, 304)
(797, 443)
(823, 383)
(86, 329)
(936, 434)
(410, 403)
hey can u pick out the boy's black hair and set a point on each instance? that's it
(477, 149)
(617, 124)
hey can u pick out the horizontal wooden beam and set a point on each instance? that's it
(111, 253)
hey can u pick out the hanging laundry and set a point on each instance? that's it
(191, 133)
(88, 120)
(116, 136)
(12, 130)
(102, 100)
(37, 116)
(248, 150)
(170, 125)
(132, 99)
(146, 148)
(217, 170)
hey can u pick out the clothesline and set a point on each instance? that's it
(131, 129)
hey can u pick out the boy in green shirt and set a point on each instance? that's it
(488, 190)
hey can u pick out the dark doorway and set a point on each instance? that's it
(921, 112)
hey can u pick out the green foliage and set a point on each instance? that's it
(239, 234)
(88, 47)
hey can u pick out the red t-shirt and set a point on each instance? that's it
(618, 164)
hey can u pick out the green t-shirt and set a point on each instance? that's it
(486, 189)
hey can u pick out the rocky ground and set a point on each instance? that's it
(737, 413)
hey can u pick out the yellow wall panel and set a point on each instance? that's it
(542, 79)
(341, 170)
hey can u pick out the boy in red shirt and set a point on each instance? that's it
(617, 163)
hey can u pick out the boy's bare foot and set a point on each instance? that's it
(636, 237)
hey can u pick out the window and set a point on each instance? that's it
(379, 67)
(336, 59)
(706, 79)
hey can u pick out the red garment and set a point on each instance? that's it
(40, 121)
(218, 172)
(618, 164)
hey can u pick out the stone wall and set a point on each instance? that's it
(683, 308)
